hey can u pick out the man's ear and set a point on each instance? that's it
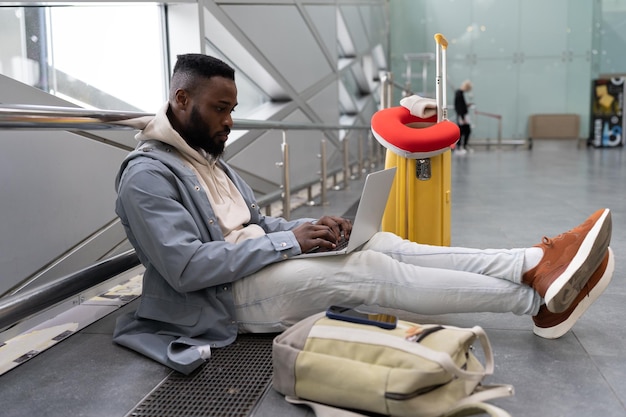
(182, 98)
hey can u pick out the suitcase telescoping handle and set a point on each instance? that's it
(441, 76)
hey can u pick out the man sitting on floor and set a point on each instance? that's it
(215, 266)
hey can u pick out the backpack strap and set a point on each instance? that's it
(476, 408)
(323, 410)
(469, 409)
(487, 392)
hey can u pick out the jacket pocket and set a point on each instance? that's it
(169, 312)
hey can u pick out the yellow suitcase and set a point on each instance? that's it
(419, 206)
(419, 210)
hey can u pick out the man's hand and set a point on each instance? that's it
(325, 233)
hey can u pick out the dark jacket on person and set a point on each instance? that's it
(460, 106)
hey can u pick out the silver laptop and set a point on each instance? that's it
(369, 213)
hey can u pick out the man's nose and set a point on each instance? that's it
(229, 120)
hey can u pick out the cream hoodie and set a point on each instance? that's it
(228, 204)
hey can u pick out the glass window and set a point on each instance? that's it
(14, 61)
(103, 56)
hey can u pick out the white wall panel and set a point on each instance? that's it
(323, 19)
(57, 190)
(325, 104)
(278, 32)
(354, 22)
(297, 43)
(227, 37)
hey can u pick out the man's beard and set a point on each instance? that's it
(197, 136)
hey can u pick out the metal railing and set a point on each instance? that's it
(498, 118)
(78, 120)
(499, 142)
(18, 307)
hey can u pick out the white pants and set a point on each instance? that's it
(389, 272)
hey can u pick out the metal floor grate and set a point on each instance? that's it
(230, 384)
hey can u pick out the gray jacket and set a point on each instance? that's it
(186, 299)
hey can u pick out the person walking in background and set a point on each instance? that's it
(462, 116)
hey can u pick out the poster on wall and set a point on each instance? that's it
(607, 118)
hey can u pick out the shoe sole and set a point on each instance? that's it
(562, 328)
(566, 287)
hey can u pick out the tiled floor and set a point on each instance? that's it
(501, 198)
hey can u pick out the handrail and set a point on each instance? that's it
(492, 115)
(23, 116)
(498, 117)
(16, 308)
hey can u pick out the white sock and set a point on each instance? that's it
(532, 256)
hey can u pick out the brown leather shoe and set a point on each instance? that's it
(552, 325)
(568, 261)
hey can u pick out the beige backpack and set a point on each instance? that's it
(340, 369)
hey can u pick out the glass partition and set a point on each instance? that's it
(97, 56)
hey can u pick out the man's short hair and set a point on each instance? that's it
(190, 68)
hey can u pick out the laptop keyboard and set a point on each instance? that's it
(341, 245)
